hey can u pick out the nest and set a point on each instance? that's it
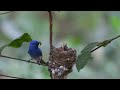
(61, 61)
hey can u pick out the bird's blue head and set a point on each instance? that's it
(34, 44)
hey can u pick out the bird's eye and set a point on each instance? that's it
(33, 44)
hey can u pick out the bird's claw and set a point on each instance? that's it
(29, 60)
(38, 62)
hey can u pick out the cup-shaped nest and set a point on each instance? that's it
(62, 60)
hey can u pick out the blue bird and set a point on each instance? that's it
(35, 52)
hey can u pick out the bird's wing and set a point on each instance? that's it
(40, 52)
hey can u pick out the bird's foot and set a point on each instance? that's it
(38, 62)
(29, 60)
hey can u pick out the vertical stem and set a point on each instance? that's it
(50, 20)
(50, 28)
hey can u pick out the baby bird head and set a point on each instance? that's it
(34, 44)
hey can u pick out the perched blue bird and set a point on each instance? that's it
(35, 52)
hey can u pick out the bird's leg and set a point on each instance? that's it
(39, 60)
(29, 60)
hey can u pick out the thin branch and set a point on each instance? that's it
(96, 48)
(11, 76)
(51, 23)
(23, 60)
(50, 28)
(115, 38)
(6, 12)
(103, 43)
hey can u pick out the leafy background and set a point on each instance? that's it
(76, 28)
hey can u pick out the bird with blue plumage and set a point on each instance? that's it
(35, 52)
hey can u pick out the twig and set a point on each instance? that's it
(107, 43)
(115, 38)
(96, 48)
(50, 21)
(50, 29)
(11, 76)
(22, 60)
(6, 12)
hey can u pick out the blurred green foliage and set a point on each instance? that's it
(76, 28)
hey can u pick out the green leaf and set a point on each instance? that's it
(82, 60)
(85, 56)
(18, 42)
(1, 48)
(89, 47)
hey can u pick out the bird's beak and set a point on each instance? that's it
(40, 43)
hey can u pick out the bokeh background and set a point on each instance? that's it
(76, 28)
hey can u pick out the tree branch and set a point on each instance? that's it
(6, 12)
(23, 60)
(104, 43)
(51, 46)
(11, 76)
(50, 21)
(96, 48)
